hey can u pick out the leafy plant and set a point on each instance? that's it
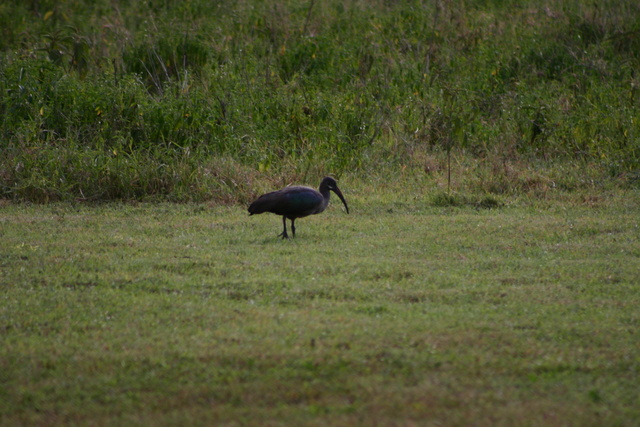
(289, 89)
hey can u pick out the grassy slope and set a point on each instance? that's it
(165, 314)
(407, 310)
(191, 101)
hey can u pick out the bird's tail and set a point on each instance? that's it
(264, 203)
(256, 207)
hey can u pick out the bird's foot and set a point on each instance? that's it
(284, 235)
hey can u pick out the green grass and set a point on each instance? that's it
(142, 100)
(405, 311)
(489, 151)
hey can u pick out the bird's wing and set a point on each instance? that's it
(290, 201)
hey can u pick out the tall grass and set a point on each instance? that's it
(135, 100)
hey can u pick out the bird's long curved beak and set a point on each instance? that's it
(339, 193)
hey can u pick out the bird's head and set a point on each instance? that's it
(331, 184)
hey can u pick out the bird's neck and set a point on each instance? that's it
(326, 194)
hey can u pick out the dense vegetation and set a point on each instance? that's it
(194, 100)
(411, 310)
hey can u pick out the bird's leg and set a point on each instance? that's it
(284, 232)
(293, 227)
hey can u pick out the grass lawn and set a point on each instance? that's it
(401, 312)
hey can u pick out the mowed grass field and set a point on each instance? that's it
(401, 313)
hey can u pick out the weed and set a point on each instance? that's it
(296, 90)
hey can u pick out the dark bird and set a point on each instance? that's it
(297, 202)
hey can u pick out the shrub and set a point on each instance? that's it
(327, 87)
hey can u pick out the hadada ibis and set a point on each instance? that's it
(297, 202)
